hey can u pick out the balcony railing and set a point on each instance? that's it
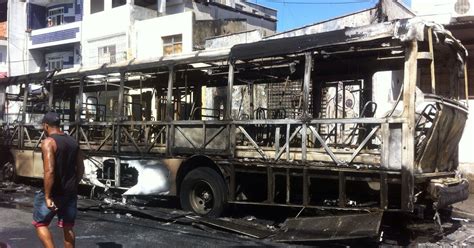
(56, 35)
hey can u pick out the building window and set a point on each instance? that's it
(107, 54)
(55, 63)
(172, 44)
(97, 6)
(117, 3)
(55, 16)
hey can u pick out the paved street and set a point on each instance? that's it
(96, 228)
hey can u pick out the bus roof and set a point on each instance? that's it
(403, 30)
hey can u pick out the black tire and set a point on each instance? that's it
(204, 192)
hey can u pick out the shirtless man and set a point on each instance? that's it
(63, 164)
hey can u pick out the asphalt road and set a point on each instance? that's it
(111, 229)
(108, 229)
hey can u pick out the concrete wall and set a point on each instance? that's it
(211, 28)
(250, 7)
(149, 44)
(110, 27)
(213, 12)
(18, 38)
(3, 57)
(466, 154)
(441, 11)
(233, 39)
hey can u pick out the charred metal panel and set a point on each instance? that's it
(28, 163)
(447, 191)
(210, 138)
(332, 227)
(395, 147)
(447, 130)
(298, 44)
(188, 137)
(234, 226)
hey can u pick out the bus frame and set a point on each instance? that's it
(246, 159)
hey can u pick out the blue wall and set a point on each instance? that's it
(36, 16)
(78, 9)
(55, 36)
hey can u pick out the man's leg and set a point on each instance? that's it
(42, 216)
(69, 237)
(45, 236)
(66, 217)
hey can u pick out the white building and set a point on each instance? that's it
(51, 34)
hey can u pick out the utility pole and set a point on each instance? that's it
(8, 39)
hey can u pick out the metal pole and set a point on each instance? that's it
(408, 126)
(169, 95)
(466, 84)
(3, 97)
(79, 106)
(51, 93)
(251, 96)
(170, 111)
(120, 112)
(23, 115)
(306, 83)
(432, 64)
(230, 86)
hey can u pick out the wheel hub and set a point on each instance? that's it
(201, 198)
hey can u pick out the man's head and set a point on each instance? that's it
(51, 122)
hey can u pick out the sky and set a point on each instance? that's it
(296, 13)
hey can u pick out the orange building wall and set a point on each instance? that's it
(3, 30)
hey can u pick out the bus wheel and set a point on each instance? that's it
(204, 192)
(9, 173)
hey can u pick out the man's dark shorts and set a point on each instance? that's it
(67, 210)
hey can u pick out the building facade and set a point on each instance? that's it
(59, 34)
(3, 39)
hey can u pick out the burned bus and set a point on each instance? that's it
(365, 118)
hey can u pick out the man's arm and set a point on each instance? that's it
(48, 148)
(80, 165)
